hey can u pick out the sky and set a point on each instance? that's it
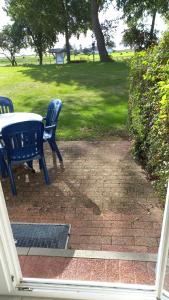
(85, 41)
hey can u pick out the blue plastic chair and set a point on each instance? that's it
(51, 119)
(23, 143)
(6, 105)
(3, 166)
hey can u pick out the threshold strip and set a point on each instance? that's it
(147, 257)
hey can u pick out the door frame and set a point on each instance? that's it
(12, 283)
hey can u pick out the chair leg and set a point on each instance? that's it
(45, 171)
(12, 182)
(30, 165)
(3, 167)
(55, 148)
(40, 164)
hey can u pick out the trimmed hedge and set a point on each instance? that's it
(149, 111)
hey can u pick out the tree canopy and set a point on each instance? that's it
(135, 10)
(43, 20)
(12, 39)
(39, 21)
(138, 38)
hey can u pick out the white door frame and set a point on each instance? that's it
(163, 249)
(12, 283)
(10, 272)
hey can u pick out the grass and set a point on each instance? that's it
(49, 59)
(27, 60)
(94, 96)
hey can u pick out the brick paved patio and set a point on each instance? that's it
(102, 193)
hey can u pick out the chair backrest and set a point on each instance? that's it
(54, 109)
(6, 105)
(23, 140)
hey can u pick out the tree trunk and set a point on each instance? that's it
(66, 17)
(13, 60)
(152, 26)
(98, 32)
(67, 43)
(9, 58)
(40, 54)
(15, 63)
(40, 58)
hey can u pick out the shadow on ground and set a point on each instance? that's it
(101, 192)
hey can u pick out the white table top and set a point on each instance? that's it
(12, 118)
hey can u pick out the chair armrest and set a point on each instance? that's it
(50, 127)
(2, 145)
(2, 149)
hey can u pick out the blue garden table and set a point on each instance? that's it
(15, 117)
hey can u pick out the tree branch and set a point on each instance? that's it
(6, 56)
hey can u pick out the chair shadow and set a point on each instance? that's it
(32, 190)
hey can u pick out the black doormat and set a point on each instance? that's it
(41, 235)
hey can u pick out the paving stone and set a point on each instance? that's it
(144, 241)
(101, 192)
(141, 273)
(127, 271)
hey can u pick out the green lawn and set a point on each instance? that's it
(94, 96)
(49, 59)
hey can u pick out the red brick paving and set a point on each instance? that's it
(102, 193)
(88, 269)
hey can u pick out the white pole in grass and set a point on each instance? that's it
(163, 249)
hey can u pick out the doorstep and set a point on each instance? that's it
(129, 256)
(88, 269)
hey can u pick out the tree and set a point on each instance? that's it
(44, 19)
(138, 38)
(134, 11)
(74, 17)
(95, 6)
(108, 29)
(12, 39)
(40, 22)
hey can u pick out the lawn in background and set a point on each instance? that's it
(50, 59)
(94, 96)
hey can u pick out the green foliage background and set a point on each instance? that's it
(149, 111)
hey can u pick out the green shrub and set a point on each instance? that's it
(149, 111)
